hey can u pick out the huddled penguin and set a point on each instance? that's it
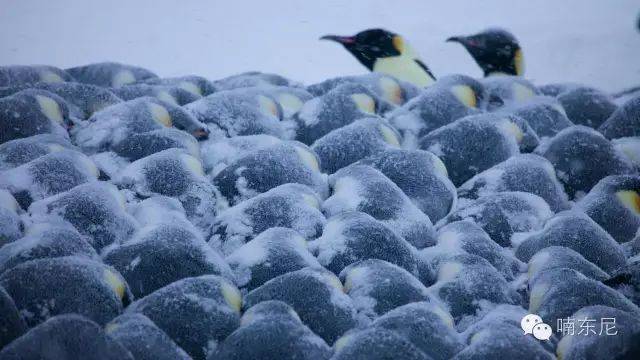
(17, 75)
(219, 152)
(178, 174)
(110, 74)
(137, 146)
(385, 52)
(581, 157)
(48, 175)
(427, 325)
(613, 340)
(293, 206)
(421, 175)
(544, 114)
(265, 169)
(33, 112)
(84, 99)
(624, 121)
(194, 84)
(252, 79)
(197, 312)
(467, 237)
(525, 172)
(466, 281)
(365, 189)
(389, 89)
(558, 257)
(171, 94)
(503, 214)
(473, 144)
(353, 236)
(47, 287)
(587, 106)
(496, 51)
(317, 296)
(629, 147)
(431, 109)
(46, 241)
(238, 112)
(274, 252)
(290, 98)
(143, 338)
(21, 151)
(578, 232)
(559, 293)
(358, 140)
(108, 127)
(377, 286)
(159, 255)
(68, 336)
(95, 209)
(339, 107)
(272, 330)
(614, 203)
(508, 90)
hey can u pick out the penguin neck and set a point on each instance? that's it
(405, 67)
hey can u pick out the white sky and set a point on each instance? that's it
(589, 41)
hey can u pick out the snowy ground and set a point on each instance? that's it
(593, 42)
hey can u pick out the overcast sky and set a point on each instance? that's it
(589, 41)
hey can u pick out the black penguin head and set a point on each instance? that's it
(369, 45)
(495, 51)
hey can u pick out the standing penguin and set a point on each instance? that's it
(496, 51)
(385, 52)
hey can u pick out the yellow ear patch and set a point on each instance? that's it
(268, 106)
(165, 96)
(518, 62)
(630, 199)
(513, 129)
(398, 43)
(290, 102)
(124, 77)
(191, 87)
(115, 282)
(333, 281)
(521, 92)
(50, 108)
(563, 346)
(308, 158)
(536, 297)
(444, 315)
(193, 164)
(160, 114)
(465, 94)
(342, 342)
(364, 102)
(389, 136)
(231, 295)
(440, 166)
(50, 77)
(391, 90)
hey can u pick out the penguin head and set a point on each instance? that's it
(495, 51)
(369, 45)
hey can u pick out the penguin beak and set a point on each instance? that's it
(465, 41)
(458, 39)
(344, 40)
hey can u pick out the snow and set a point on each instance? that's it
(594, 42)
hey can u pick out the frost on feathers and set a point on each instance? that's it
(363, 188)
(293, 206)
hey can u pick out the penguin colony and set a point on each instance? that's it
(393, 215)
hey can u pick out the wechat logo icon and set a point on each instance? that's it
(532, 324)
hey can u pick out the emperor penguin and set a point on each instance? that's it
(385, 52)
(496, 51)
